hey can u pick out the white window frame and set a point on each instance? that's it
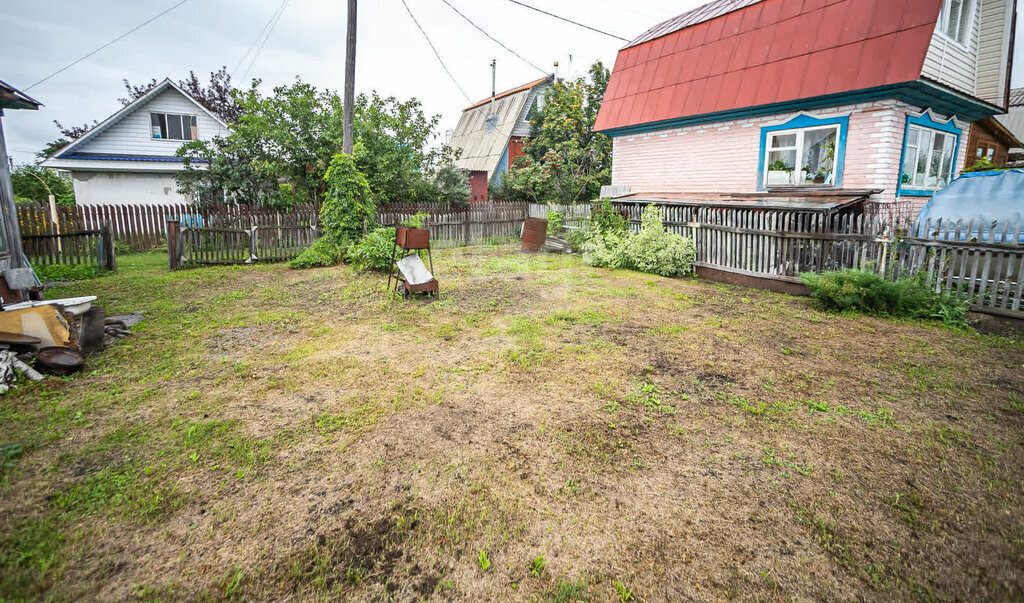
(799, 148)
(949, 143)
(191, 116)
(966, 12)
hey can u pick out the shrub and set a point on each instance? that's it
(608, 219)
(652, 250)
(869, 293)
(348, 205)
(73, 272)
(555, 221)
(323, 252)
(373, 252)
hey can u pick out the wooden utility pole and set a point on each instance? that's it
(350, 78)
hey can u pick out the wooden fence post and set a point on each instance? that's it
(253, 242)
(465, 227)
(109, 259)
(173, 232)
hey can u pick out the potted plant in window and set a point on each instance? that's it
(779, 173)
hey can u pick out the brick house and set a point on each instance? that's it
(807, 97)
(491, 134)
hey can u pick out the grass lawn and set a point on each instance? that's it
(543, 431)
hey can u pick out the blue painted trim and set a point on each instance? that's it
(502, 167)
(925, 121)
(801, 122)
(919, 93)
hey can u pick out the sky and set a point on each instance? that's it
(393, 58)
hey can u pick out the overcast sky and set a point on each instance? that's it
(39, 37)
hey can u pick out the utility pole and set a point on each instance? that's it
(350, 79)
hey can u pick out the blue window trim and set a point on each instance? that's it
(806, 121)
(925, 120)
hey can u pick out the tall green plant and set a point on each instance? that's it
(349, 207)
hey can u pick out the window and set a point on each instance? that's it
(929, 155)
(801, 157)
(955, 20)
(168, 126)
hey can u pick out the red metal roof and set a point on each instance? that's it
(767, 52)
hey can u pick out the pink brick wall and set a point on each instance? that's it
(723, 157)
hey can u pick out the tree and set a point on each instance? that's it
(565, 161)
(34, 183)
(224, 168)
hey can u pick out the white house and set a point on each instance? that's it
(130, 157)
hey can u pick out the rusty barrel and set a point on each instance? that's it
(535, 232)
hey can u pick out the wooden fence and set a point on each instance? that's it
(144, 227)
(225, 239)
(85, 247)
(475, 224)
(573, 216)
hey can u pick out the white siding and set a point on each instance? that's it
(952, 64)
(133, 134)
(993, 48)
(130, 188)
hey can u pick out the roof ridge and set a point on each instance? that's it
(702, 13)
(511, 91)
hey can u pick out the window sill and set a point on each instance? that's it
(916, 193)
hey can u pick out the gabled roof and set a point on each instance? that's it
(12, 98)
(533, 84)
(732, 55)
(482, 143)
(128, 110)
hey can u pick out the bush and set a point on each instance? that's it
(323, 252)
(608, 219)
(373, 252)
(555, 222)
(652, 250)
(869, 293)
(348, 204)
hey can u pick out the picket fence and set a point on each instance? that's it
(475, 224)
(144, 227)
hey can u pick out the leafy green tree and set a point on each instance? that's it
(565, 161)
(452, 185)
(349, 209)
(34, 183)
(225, 169)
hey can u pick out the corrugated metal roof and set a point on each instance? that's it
(796, 200)
(483, 146)
(700, 14)
(768, 52)
(1016, 97)
(546, 79)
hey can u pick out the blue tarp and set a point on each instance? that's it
(984, 197)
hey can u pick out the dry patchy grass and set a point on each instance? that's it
(544, 430)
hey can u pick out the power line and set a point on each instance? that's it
(258, 36)
(125, 34)
(560, 18)
(267, 37)
(436, 54)
(481, 30)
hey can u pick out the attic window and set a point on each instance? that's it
(169, 126)
(955, 19)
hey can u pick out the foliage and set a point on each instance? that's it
(349, 207)
(452, 185)
(226, 168)
(71, 272)
(555, 222)
(373, 252)
(565, 161)
(984, 165)
(608, 219)
(392, 148)
(652, 250)
(323, 252)
(36, 183)
(869, 293)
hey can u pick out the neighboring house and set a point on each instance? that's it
(990, 140)
(1014, 121)
(492, 132)
(807, 96)
(130, 156)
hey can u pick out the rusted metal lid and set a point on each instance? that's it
(535, 231)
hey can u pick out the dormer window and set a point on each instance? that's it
(170, 126)
(955, 20)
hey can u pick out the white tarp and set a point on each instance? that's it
(413, 270)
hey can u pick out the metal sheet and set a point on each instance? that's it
(413, 270)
